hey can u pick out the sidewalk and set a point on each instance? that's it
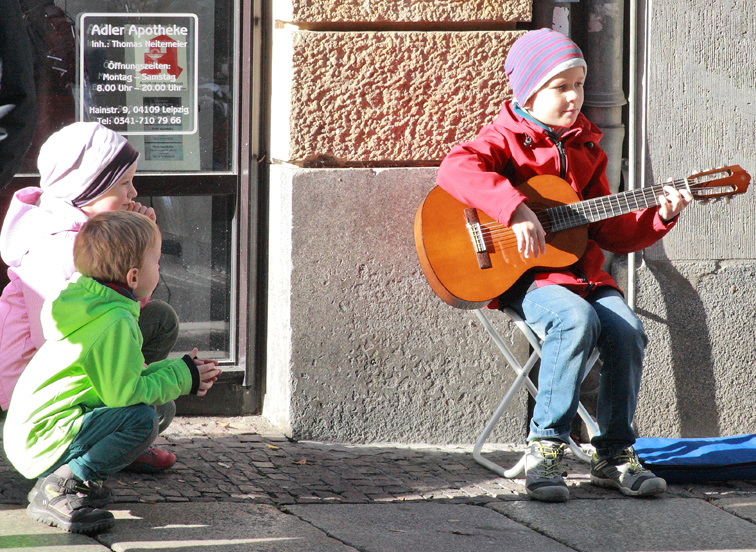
(239, 486)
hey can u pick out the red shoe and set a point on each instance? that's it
(152, 460)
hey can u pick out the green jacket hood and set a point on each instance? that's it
(69, 312)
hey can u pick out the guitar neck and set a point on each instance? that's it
(580, 213)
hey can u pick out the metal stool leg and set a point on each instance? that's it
(521, 379)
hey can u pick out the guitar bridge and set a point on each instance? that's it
(478, 241)
(476, 234)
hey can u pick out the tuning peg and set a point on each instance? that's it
(728, 199)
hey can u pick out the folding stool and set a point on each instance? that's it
(522, 371)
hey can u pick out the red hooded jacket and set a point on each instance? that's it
(485, 173)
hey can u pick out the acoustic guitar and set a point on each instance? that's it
(469, 258)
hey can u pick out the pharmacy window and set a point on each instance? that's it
(166, 74)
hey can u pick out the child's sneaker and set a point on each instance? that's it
(98, 496)
(152, 460)
(64, 503)
(625, 472)
(544, 473)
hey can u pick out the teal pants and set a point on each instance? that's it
(159, 325)
(109, 440)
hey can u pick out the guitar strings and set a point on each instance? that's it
(496, 233)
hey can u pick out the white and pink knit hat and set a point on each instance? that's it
(82, 161)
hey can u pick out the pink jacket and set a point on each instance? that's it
(37, 245)
(485, 172)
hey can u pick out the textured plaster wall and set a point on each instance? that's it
(399, 11)
(701, 320)
(388, 97)
(391, 96)
(696, 289)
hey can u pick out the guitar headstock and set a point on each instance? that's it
(716, 183)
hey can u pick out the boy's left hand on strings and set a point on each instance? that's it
(672, 201)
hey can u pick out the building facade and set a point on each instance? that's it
(367, 99)
(287, 144)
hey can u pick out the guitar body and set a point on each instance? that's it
(448, 258)
(467, 269)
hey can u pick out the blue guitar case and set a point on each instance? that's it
(695, 460)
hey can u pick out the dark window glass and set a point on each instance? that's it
(188, 166)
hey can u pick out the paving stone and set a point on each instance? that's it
(229, 527)
(421, 527)
(655, 524)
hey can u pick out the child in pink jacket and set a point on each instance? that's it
(85, 168)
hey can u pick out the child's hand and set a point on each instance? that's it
(208, 372)
(141, 209)
(531, 237)
(672, 201)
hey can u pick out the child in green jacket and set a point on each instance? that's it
(83, 408)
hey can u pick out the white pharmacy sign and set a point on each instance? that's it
(138, 72)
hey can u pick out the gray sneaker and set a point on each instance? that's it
(544, 475)
(63, 502)
(625, 472)
(98, 495)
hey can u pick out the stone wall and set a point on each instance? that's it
(696, 288)
(367, 98)
(372, 354)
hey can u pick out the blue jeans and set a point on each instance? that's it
(109, 440)
(570, 327)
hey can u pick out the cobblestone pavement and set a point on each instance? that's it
(243, 460)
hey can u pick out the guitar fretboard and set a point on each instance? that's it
(562, 217)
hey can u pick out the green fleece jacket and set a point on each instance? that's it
(92, 358)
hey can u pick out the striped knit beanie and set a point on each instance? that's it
(537, 57)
